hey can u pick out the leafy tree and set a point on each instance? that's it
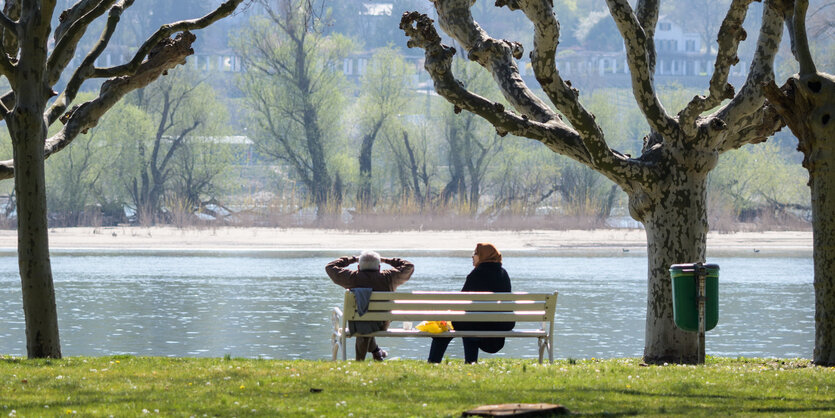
(807, 104)
(199, 171)
(33, 72)
(759, 176)
(183, 109)
(294, 87)
(667, 183)
(384, 96)
(471, 143)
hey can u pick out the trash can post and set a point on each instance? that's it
(701, 273)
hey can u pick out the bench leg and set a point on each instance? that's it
(335, 343)
(541, 342)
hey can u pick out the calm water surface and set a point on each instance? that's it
(277, 305)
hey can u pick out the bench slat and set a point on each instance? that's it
(415, 333)
(478, 306)
(450, 316)
(379, 296)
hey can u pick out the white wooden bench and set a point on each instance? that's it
(527, 308)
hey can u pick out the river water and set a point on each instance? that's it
(278, 304)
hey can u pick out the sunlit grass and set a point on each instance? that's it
(134, 386)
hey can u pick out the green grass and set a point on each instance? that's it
(140, 386)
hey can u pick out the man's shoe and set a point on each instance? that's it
(379, 354)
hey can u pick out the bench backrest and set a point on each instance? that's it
(455, 306)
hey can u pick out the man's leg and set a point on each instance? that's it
(365, 345)
(437, 349)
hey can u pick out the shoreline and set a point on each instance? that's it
(600, 242)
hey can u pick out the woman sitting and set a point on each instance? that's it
(487, 276)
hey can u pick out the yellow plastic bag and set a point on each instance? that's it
(434, 327)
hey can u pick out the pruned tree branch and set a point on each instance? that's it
(730, 35)
(750, 98)
(147, 48)
(561, 94)
(638, 58)
(71, 32)
(8, 24)
(796, 23)
(647, 12)
(438, 64)
(79, 119)
(753, 129)
(70, 16)
(85, 69)
(497, 56)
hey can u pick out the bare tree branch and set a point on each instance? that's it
(79, 119)
(71, 33)
(637, 55)
(70, 16)
(85, 69)
(497, 56)
(796, 23)
(754, 128)
(750, 98)
(730, 35)
(438, 63)
(561, 94)
(164, 32)
(647, 13)
(8, 24)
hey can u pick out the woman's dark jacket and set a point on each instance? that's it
(486, 277)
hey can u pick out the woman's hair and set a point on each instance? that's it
(369, 260)
(487, 253)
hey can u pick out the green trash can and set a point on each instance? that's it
(686, 296)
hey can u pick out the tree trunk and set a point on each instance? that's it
(321, 179)
(28, 132)
(676, 228)
(806, 103)
(822, 181)
(364, 196)
(414, 170)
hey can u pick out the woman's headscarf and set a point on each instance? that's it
(487, 253)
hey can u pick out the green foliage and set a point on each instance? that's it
(135, 386)
(295, 92)
(759, 176)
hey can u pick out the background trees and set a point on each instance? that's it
(293, 89)
(383, 100)
(184, 114)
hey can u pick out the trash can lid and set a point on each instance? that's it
(692, 267)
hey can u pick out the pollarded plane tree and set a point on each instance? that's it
(807, 104)
(33, 65)
(666, 184)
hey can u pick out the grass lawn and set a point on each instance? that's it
(140, 386)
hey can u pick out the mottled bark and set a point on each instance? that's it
(807, 104)
(666, 183)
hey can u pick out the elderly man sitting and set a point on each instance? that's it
(369, 275)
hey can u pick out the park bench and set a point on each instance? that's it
(526, 309)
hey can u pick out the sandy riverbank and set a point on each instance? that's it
(545, 242)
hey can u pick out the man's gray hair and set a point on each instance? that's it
(369, 260)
